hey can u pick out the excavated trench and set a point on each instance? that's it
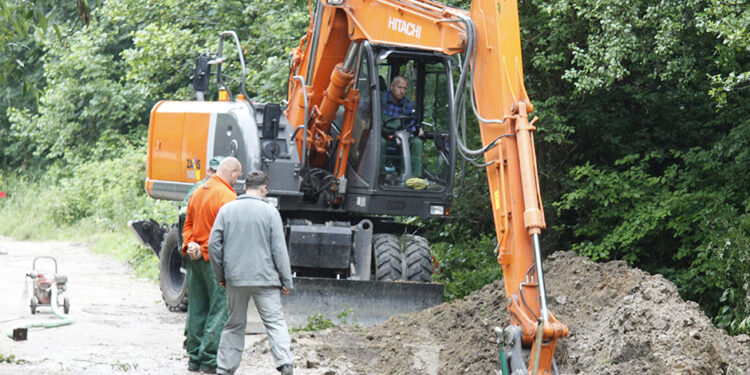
(621, 320)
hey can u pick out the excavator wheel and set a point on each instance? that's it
(418, 259)
(387, 251)
(172, 274)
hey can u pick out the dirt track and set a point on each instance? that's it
(622, 321)
(121, 324)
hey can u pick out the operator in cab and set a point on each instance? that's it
(394, 103)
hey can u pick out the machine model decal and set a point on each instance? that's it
(404, 27)
(194, 168)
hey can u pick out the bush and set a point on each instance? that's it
(465, 266)
(89, 202)
(111, 191)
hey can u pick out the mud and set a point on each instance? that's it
(622, 321)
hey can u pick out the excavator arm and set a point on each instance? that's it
(488, 38)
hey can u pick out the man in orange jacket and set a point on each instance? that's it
(207, 309)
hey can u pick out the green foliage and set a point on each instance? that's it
(24, 27)
(682, 216)
(88, 190)
(465, 266)
(315, 322)
(124, 366)
(102, 83)
(634, 156)
(26, 207)
(319, 321)
(730, 22)
(89, 202)
(269, 43)
(66, 128)
(11, 359)
(343, 317)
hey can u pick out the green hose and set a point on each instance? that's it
(65, 319)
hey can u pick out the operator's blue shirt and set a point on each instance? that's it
(392, 109)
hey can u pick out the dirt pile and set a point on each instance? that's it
(622, 321)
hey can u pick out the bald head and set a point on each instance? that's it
(399, 86)
(230, 170)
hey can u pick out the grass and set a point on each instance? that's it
(319, 321)
(32, 212)
(11, 359)
(124, 366)
(315, 322)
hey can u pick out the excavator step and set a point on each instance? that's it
(365, 303)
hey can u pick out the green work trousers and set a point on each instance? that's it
(206, 315)
(415, 153)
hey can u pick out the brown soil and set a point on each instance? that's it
(622, 321)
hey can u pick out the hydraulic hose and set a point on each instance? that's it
(64, 319)
(460, 97)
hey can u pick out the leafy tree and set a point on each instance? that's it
(642, 164)
(24, 25)
(102, 83)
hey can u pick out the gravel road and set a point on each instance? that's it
(121, 324)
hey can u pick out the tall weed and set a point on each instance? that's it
(89, 202)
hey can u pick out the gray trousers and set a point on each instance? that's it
(268, 303)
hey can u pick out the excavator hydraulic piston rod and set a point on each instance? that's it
(533, 216)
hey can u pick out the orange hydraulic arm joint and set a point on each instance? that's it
(339, 92)
(544, 328)
(336, 94)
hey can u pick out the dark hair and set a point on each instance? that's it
(256, 179)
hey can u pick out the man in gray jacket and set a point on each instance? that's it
(249, 258)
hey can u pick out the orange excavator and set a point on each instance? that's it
(342, 164)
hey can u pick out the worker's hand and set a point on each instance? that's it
(285, 291)
(192, 245)
(223, 284)
(194, 250)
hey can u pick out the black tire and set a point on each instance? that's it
(418, 258)
(387, 251)
(172, 274)
(33, 305)
(66, 305)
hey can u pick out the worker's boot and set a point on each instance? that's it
(286, 370)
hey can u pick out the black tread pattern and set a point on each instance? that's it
(418, 259)
(387, 257)
(175, 300)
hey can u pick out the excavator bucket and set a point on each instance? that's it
(365, 303)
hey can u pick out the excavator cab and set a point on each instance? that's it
(403, 157)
